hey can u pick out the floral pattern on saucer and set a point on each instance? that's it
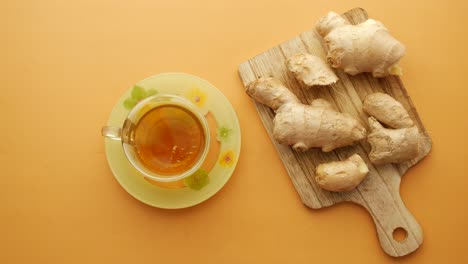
(205, 182)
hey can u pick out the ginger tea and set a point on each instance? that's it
(169, 140)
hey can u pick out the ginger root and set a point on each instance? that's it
(305, 126)
(324, 104)
(392, 145)
(340, 176)
(387, 110)
(311, 70)
(367, 47)
(270, 92)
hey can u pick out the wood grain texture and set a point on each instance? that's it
(379, 192)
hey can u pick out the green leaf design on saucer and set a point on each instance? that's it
(223, 133)
(198, 180)
(137, 94)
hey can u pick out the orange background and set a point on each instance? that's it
(63, 65)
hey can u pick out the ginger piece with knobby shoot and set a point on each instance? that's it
(387, 110)
(270, 92)
(366, 47)
(340, 176)
(305, 126)
(392, 145)
(311, 70)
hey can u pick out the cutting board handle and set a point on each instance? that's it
(398, 231)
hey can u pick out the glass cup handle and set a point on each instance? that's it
(111, 132)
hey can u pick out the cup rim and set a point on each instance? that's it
(186, 104)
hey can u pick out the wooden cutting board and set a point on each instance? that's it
(379, 192)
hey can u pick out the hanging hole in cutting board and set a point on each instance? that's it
(400, 234)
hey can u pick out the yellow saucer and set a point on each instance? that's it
(224, 146)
